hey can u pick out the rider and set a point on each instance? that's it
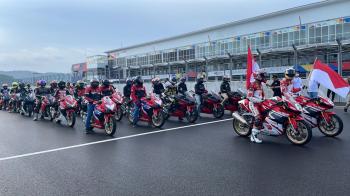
(255, 94)
(127, 89)
(40, 91)
(106, 88)
(53, 87)
(60, 93)
(14, 90)
(225, 88)
(29, 88)
(70, 88)
(5, 92)
(170, 87)
(92, 93)
(158, 87)
(79, 89)
(287, 87)
(181, 87)
(199, 90)
(137, 92)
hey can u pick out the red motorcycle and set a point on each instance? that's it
(211, 104)
(103, 116)
(231, 103)
(181, 106)
(150, 111)
(316, 113)
(67, 108)
(47, 102)
(118, 99)
(280, 116)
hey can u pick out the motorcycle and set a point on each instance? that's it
(47, 102)
(4, 100)
(119, 101)
(211, 104)
(231, 103)
(27, 104)
(316, 113)
(280, 116)
(150, 111)
(103, 116)
(14, 103)
(181, 106)
(67, 107)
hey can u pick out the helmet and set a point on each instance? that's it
(173, 80)
(260, 75)
(4, 85)
(53, 84)
(61, 84)
(155, 80)
(21, 85)
(290, 73)
(42, 83)
(226, 78)
(14, 85)
(28, 85)
(183, 79)
(94, 83)
(106, 82)
(200, 79)
(138, 80)
(80, 84)
(128, 81)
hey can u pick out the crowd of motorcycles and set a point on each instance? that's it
(294, 118)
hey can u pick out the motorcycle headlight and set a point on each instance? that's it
(298, 107)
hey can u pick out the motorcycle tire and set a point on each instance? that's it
(299, 138)
(71, 120)
(118, 114)
(331, 131)
(111, 127)
(192, 116)
(158, 121)
(218, 112)
(241, 129)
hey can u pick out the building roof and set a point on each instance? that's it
(272, 14)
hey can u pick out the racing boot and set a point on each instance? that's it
(254, 136)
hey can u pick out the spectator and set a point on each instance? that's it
(275, 86)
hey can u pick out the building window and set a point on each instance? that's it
(186, 54)
(120, 62)
(142, 60)
(131, 61)
(155, 58)
(170, 56)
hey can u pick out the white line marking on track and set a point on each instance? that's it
(108, 140)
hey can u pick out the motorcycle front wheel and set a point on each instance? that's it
(332, 129)
(118, 114)
(242, 129)
(192, 116)
(111, 126)
(71, 118)
(301, 136)
(158, 120)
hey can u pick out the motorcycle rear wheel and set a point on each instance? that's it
(331, 129)
(302, 137)
(242, 129)
(218, 112)
(192, 116)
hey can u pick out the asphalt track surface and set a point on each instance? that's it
(43, 158)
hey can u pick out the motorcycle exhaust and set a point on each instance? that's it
(236, 116)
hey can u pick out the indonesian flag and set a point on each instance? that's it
(330, 79)
(252, 67)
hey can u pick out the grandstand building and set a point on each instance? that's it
(291, 37)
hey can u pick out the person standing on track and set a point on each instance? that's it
(92, 94)
(138, 91)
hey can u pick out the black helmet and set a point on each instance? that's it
(61, 85)
(200, 79)
(106, 82)
(129, 81)
(21, 85)
(138, 80)
(94, 83)
(173, 80)
(290, 73)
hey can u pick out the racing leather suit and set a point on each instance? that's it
(256, 95)
(287, 88)
(39, 93)
(158, 88)
(199, 90)
(107, 90)
(182, 88)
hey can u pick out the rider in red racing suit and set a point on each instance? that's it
(255, 94)
(287, 84)
(137, 92)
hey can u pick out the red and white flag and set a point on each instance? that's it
(252, 67)
(328, 78)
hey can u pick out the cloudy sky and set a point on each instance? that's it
(50, 35)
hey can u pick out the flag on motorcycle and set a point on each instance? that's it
(328, 78)
(252, 67)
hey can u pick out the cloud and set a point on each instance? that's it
(46, 59)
